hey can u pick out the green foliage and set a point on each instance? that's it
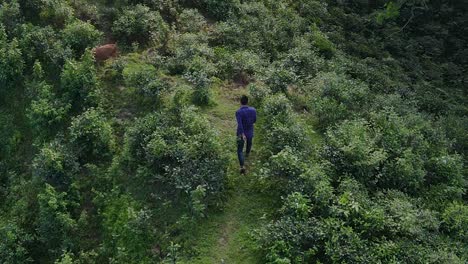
(80, 35)
(197, 204)
(44, 45)
(352, 148)
(258, 91)
(336, 98)
(140, 24)
(55, 226)
(173, 154)
(55, 165)
(392, 10)
(11, 63)
(146, 80)
(10, 15)
(91, 136)
(279, 78)
(191, 53)
(128, 234)
(219, 9)
(282, 129)
(79, 82)
(56, 12)
(239, 66)
(455, 220)
(201, 95)
(47, 112)
(191, 21)
(13, 244)
(321, 42)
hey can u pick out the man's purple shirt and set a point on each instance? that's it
(246, 117)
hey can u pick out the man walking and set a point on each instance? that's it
(246, 117)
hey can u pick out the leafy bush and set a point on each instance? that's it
(11, 63)
(240, 66)
(336, 98)
(127, 229)
(191, 53)
(79, 81)
(56, 12)
(146, 80)
(173, 154)
(43, 44)
(55, 226)
(47, 112)
(279, 78)
(258, 91)
(455, 220)
(92, 137)
(321, 42)
(10, 15)
(201, 95)
(282, 129)
(352, 148)
(140, 24)
(190, 20)
(81, 35)
(55, 165)
(13, 244)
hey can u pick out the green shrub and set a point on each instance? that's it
(11, 63)
(352, 148)
(172, 153)
(43, 44)
(127, 229)
(279, 78)
(79, 82)
(322, 43)
(201, 95)
(282, 129)
(240, 66)
(259, 92)
(455, 220)
(56, 12)
(140, 24)
(92, 137)
(335, 97)
(303, 60)
(10, 15)
(80, 35)
(55, 226)
(47, 112)
(190, 20)
(14, 244)
(219, 9)
(55, 165)
(191, 53)
(149, 84)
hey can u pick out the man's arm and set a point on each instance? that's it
(255, 116)
(240, 128)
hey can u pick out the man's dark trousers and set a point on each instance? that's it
(240, 148)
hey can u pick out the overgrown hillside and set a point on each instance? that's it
(359, 154)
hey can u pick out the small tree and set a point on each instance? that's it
(92, 137)
(80, 35)
(140, 24)
(79, 82)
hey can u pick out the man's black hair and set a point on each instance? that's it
(244, 100)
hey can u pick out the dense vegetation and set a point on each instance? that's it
(363, 128)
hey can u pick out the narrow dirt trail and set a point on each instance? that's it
(226, 236)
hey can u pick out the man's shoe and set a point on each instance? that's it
(242, 170)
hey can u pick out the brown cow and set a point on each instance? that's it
(105, 52)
